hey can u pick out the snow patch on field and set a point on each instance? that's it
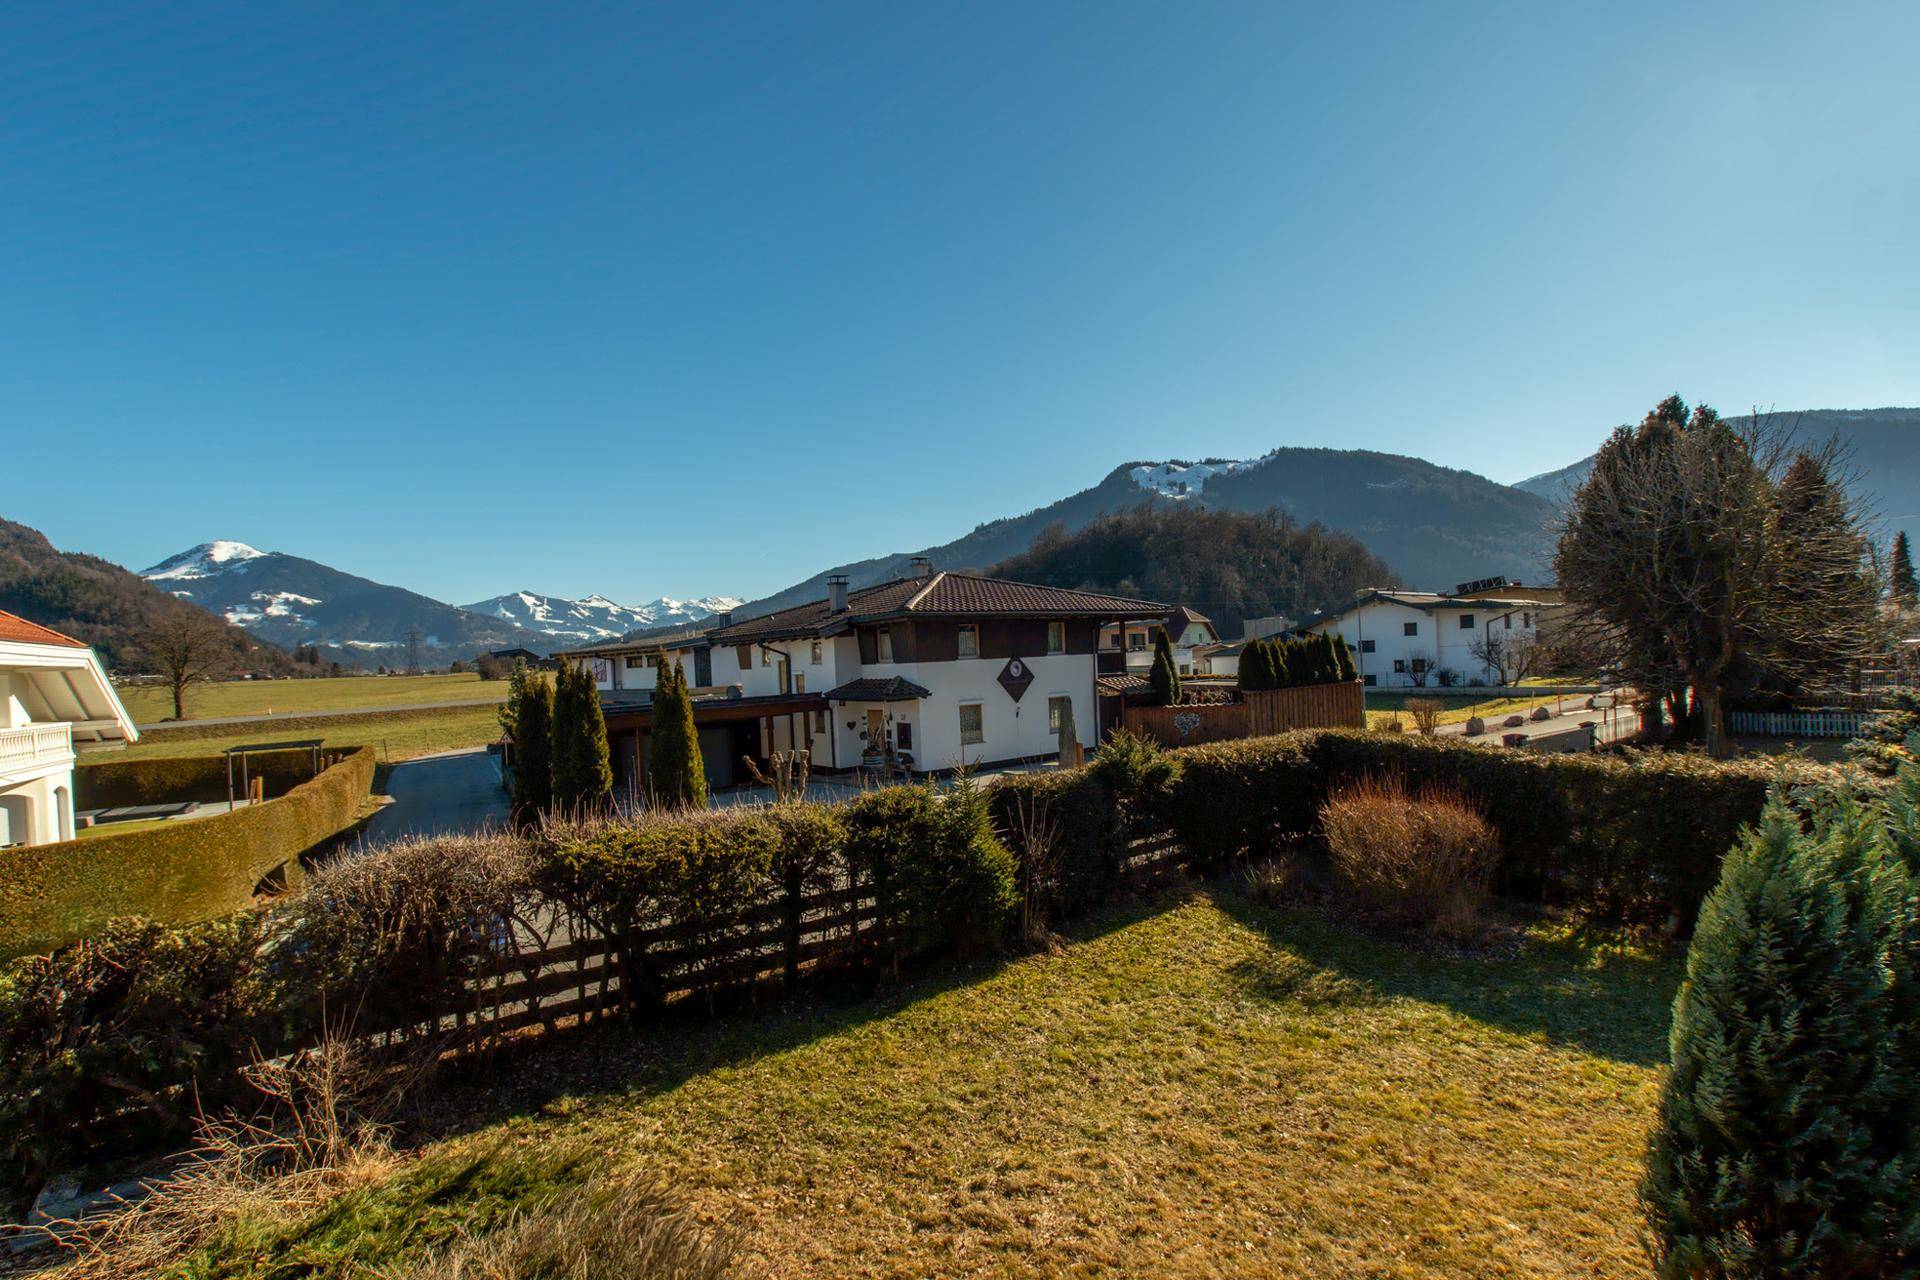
(269, 604)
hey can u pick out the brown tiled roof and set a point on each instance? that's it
(1124, 684)
(14, 627)
(876, 689)
(951, 595)
(1181, 616)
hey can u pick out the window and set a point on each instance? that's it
(766, 657)
(819, 721)
(1466, 622)
(799, 682)
(635, 662)
(1400, 665)
(969, 640)
(1056, 637)
(1059, 707)
(1526, 620)
(1366, 646)
(1136, 640)
(883, 644)
(971, 728)
(903, 736)
(1186, 668)
(1110, 639)
(1369, 680)
(1509, 622)
(816, 653)
(1410, 629)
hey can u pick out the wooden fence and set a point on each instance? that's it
(1817, 722)
(1256, 715)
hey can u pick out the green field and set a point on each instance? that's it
(149, 704)
(1383, 706)
(1200, 1088)
(397, 735)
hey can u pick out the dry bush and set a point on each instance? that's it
(1426, 714)
(625, 1230)
(1392, 724)
(1422, 858)
(321, 1129)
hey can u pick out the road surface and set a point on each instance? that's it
(1611, 723)
(161, 726)
(454, 792)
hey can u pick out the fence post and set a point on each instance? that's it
(790, 913)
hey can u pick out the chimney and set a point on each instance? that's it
(922, 567)
(837, 593)
(722, 619)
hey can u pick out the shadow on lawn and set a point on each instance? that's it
(1586, 989)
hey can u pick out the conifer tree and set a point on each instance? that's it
(1344, 669)
(1164, 677)
(582, 765)
(531, 729)
(1247, 680)
(1906, 590)
(676, 774)
(1786, 1139)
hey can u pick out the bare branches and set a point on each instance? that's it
(187, 646)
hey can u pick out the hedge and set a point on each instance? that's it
(113, 783)
(174, 873)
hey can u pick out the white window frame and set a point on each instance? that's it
(979, 734)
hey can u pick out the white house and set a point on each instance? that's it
(1410, 638)
(923, 673)
(53, 693)
(1187, 630)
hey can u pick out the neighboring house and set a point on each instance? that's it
(923, 673)
(1218, 659)
(1187, 630)
(53, 693)
(1406, 639)
(1274, 624)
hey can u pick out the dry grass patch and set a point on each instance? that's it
(1209, 1088)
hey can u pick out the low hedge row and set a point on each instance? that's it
(111, 784)
(173, 873)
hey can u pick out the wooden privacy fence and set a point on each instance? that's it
(1818, 722)
(1257, 715)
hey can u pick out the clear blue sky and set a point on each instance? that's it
(695, 298)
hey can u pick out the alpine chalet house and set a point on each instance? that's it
(1406, 639)
(53, 693)
(1187, 630)
(913, 676)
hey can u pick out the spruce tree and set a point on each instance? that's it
(582, 767)
(1164, 677)
(1904, 586)
(676, 775)
(1252, 660)
(1785, 1144)
(1343, 660)
(531, 729)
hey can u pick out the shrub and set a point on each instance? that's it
(1084, 828)
(933, 864)
(1139, 775)
(1415, 856)
(113, 783)
(1426, 714)
(1786, 1142)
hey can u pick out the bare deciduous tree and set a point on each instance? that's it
(1512, 656)
(187, 647)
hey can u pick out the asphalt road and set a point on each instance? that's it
(454, 792)
(319, 714)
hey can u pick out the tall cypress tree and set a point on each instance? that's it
(532, 731)
(1164, 677)
(1343, 660)
(1252, 662)
(676, 774)
(1905, 588)
(1786, 1142)
(582, 764)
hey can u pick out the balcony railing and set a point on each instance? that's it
(34, 743)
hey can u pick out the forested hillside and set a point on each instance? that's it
(97, 601)
(1227, 564)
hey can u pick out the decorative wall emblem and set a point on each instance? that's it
(1015, 677)
(1186, 722)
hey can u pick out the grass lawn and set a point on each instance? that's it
(1199, 1088)
(1382, 707)
(398, 735)
(149, 704)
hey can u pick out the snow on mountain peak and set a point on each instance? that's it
(208, 558)
(1188, 480)
(595, 617)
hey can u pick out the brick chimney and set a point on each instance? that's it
(837, 593)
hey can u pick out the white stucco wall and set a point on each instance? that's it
(1439, 639)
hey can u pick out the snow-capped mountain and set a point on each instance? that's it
(596, 617)
(287, 600)
(1188, 479)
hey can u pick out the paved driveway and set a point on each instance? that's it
(456, 791)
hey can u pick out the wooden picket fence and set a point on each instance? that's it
(1256, 715)
(1816, 722)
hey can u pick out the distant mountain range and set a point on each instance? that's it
(1434, 526)
(596, 618)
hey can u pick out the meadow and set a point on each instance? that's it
(151, 704)
(1200, 1086)
(395, 735)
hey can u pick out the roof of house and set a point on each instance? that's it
(1232, 650)
(945, 594)
(876, 689)
(1426, 601)
(1124, 684)
(685, 638)
(1181, 617)
(16, 628)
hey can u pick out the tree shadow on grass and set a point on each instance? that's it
(1587, 989)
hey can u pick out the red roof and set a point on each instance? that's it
(13, 627)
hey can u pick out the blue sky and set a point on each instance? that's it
(703, 298)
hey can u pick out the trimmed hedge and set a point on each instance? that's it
(175, 873)
(111, 784)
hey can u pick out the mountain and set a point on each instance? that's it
(596, 617)
(1434, 527)
(288, 600)
(101, 603)
(1883, 447)
(1227, 564)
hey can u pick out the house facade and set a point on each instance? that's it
(1187, 630)
(53, 694)
(920, 676)
(1419, 639)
